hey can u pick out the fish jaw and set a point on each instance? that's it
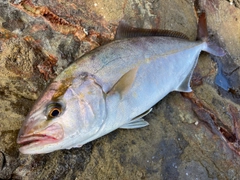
(34, 143)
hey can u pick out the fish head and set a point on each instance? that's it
(65, 116)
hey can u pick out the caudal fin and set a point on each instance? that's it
(211, 47)
(214, 49)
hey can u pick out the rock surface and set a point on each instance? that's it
(190, 136)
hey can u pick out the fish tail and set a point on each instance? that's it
(214, 49)
(202, 27)
(210, 46)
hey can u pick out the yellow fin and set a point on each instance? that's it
(125, 82)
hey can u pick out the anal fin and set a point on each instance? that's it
(185, 85)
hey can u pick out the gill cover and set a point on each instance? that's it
(86, 105)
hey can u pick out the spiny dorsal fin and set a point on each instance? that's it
(126, 31)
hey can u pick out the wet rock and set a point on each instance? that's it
(190, 136)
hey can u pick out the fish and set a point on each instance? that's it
(113, 86)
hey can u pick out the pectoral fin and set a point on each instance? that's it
(125, 82)
(137, 122)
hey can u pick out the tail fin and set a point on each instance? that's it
(211, 47)
(202, 33)
(214, 49)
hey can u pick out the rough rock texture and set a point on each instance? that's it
(191, 136)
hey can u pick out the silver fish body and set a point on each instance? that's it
(111, 87)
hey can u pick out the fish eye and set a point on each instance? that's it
(54, 110)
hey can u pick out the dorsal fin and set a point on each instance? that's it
(126, 31)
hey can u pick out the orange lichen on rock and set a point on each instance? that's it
(57, 23)
(46, 67)
(229, 134)
(5, 34)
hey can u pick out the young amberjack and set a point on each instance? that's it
(111, 87)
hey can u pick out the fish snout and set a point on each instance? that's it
(50, 134)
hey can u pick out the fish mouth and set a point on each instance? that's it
(35, 138)
(52, 134)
